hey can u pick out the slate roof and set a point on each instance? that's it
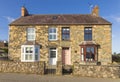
(60, 19)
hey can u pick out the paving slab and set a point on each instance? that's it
(16, 77)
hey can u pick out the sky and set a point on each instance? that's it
(109, 9)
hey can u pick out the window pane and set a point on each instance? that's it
(52, 37)
(65, 33)
(30, 57)
(31, 33)
(31, 30)
(29, 49)
(26, 57)
(32, 37)
(36, 50)
(90, 55)
(36, 57)
(29, 37)
(52, 52)
(52, 34)
(52, 30)
(92, 50)
(88, 34)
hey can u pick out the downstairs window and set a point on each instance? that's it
(30, 53)
(88, 53)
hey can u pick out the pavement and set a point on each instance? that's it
(14, 77)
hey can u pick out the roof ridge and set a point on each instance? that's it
(58, 14)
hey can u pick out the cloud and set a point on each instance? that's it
(9, 19)
(116, 18)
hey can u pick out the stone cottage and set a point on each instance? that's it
(69, 38)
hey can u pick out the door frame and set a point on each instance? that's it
(69, 55)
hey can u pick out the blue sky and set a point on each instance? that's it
(109, 9)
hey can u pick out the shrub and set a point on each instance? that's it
(116, 58)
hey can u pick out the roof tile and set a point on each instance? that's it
(60, 19)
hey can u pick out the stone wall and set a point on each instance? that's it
(101, 35)
(59, 68)
(102, 71)
(22, 67)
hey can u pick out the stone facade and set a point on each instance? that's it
(22, 67)
(102, 71)
(101, 34)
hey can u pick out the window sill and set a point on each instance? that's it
(29, 60)
(66, 40)
(88, 62)
(52, 40)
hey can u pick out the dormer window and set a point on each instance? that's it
(54, 17)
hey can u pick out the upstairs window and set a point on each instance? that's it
(52, 33)
(65, 33)
(31, 34)
(88, 34)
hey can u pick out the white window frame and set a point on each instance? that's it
(30, 34)
(52, 33)
(23, 53)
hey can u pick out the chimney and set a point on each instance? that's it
(95, 11)
(24, 11)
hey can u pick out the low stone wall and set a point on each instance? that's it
(59, 68)
(96, 71)
(22, 67)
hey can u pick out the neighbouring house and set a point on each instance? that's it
(3, 44)
(69, 38)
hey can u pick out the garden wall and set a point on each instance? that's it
(22, 67)
(101, 71)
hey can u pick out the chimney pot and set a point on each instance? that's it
(24, 11)
(95, 11)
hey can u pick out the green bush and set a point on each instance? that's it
(116, 58)
(5, 50)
